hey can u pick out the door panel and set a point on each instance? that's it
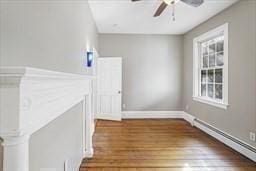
(109, 88)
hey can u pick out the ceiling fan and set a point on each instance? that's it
(165, 3)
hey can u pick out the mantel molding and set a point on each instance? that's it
(30, 98)
(14, 75)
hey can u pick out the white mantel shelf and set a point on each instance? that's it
(31, 98)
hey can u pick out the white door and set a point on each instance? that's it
(109, 88)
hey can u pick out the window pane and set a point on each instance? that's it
(203, 76)
(210, 76)
(210, 90)
(220, 46)
(219, 59)
(205, 49)
(212, 48)
(203, 89)
(212, 60)
(220, 38)
(205, 61)
(218, 75)
(218, 91)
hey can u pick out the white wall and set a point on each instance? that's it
(152, 69)
(49, 34)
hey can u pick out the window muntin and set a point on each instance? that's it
(211, 69)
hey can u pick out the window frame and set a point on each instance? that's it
(219, 31)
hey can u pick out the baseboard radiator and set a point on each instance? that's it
(238, 145)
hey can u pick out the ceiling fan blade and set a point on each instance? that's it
(194, 3)
(135, 0)
(160, 9)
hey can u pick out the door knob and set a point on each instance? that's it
(119, 92)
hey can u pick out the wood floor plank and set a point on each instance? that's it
(160, 145)
(173, 169)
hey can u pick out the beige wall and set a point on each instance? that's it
(46, 34)
(50, 35)
(59, 141)
(240, 117)
(1, 157)
(152, 69)
(54, 35)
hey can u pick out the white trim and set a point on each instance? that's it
(34, 73)
(238, 147)
(88, 153)
(223, 29)
(189, 118)
(109, 117)
(93, 128)
(151, 114)
(16, 153)
(211, 102)
(37, 97)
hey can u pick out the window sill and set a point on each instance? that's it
(211, 102)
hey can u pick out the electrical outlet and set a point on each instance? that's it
(187, 107)
(252, 136)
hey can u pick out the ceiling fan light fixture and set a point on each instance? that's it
(170, 2)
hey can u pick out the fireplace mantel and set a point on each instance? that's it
(31, 98)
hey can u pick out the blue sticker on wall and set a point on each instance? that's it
(89, 59)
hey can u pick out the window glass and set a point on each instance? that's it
(220, 46)
(210, 76)
(219, 59)
(203, 76)
(210, 90)
(203, 89)
(218, 91)
(212, 60)
(218, 76)
(212, 47)
(212, 68)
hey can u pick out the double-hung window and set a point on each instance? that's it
(210, 67)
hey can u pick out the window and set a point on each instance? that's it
(210, 65)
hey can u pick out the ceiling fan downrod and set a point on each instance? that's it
(173, 12)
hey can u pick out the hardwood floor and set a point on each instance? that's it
(160, 145)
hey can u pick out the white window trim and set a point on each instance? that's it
(223, 29)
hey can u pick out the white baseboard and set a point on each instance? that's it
(189, 118)
(236, 144)
(109, 117)
(73, 163)
(151, 114)
(93, 128)
(88, 153)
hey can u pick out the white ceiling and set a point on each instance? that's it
(124, 16)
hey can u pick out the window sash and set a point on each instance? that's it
(214, 40)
